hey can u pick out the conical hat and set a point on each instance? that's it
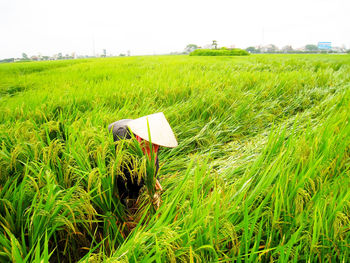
(160, 130)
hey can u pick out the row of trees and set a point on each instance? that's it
(25, 57)
(310, 48)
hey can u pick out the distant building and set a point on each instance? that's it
(287, 48)
(324, 45)
(300, 48)
(339, 49)
(271, 48)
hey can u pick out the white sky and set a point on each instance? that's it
(48, 27)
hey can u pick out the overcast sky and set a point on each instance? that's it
(48, 27)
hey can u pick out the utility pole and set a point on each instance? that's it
(93, 46)
(262, 40)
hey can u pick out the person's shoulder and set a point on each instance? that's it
(120, 129)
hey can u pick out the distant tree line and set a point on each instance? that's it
(271, 48)
(58, 56)
(308, 49)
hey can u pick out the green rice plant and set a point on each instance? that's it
(260, 174)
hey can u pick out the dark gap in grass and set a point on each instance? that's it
(12, 90)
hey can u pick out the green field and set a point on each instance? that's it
(261, 171)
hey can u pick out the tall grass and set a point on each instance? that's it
(261, 171)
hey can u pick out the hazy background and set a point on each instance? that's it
(159, 26)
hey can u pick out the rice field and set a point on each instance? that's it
(261, 172)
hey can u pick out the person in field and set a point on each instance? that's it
(161, 136)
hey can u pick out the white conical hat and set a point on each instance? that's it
(160, 130)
